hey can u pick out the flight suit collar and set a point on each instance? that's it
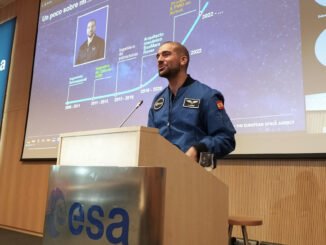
(189, 80)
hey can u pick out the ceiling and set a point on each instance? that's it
(5, 2)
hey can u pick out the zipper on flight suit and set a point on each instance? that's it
(169, 112)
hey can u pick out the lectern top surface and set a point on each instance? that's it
(111, 130)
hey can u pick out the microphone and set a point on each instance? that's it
(137, 106)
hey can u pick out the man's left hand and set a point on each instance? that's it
(192, 153)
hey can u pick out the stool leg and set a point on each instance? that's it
(245, 235)
(230, 232)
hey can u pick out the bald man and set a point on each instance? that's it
(188, 113)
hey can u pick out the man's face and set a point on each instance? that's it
(168, 61)
(91, 28)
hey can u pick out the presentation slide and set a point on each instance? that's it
(7, 30)
(252, 51)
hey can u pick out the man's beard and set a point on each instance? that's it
(170, 72)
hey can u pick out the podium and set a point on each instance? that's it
(195, 203)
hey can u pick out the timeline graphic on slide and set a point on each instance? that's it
(104, 73)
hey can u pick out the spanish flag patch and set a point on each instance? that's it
(219, 104)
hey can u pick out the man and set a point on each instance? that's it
(93, 47)
(188, 113)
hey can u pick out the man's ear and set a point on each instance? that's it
(183, 60)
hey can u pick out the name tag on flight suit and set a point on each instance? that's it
(191, 103)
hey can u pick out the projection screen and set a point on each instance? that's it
(267, 58)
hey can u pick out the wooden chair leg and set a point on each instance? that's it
(230, 232)
(245, 235)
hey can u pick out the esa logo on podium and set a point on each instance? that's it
(2, 65)
(81, 221)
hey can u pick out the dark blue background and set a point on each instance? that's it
(7, 30)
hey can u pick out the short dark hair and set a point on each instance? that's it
(92, 20)
(181, 49)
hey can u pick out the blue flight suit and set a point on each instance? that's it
(93, 51)
(194, 117)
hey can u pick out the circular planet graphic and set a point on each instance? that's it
(320, 48)
(321, 2)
